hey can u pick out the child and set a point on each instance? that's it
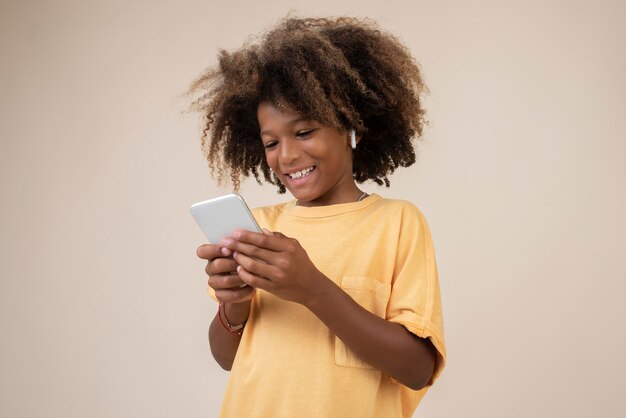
(337, 312)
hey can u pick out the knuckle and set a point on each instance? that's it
(282, 274)
(255, 251)
(212, 268)
(222, 282)
(216, 266)
(221, 265)
(263, 240)
(293, 245)
(282, 263)
(214, 282)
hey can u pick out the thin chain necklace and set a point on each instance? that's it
(363, 196)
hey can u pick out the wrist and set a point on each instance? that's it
(318, 298)
(236, 312)
(230, 325)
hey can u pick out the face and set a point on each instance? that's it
(313, 161)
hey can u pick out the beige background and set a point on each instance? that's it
(521, 175)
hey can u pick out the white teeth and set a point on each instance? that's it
(300, 174)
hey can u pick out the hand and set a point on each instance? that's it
(275, 263)
(223, 277)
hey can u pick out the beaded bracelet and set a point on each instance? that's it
(233, 329)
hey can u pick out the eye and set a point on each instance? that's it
(270, 144)
(305, 133)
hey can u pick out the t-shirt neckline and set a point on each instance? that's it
(330, 210)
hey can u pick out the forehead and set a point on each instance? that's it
(270, 115)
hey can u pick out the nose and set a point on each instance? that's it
(289, 152)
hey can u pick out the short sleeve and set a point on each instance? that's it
(415, 300)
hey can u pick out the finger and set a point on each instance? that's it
(221, 265)
(249, 250)
(226, 282)
(253, 280)
(211, 251)
(254, 266)
(235, 295)
(271, 242)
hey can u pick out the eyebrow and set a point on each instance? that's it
(291, 123)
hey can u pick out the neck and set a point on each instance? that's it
(362, 195)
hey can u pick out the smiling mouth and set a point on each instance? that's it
(300, 174)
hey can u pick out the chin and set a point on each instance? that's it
(304, 198)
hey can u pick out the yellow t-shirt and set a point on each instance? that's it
(289, 364)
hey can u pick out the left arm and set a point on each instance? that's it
(280, 265)
(387, 346)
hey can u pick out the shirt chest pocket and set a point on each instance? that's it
(373, 296)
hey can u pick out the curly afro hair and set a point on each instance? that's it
(344, 72)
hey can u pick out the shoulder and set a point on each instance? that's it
(402, 216)
(272, 209)
(399, 207)
(267, 215)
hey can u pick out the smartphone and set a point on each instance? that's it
(220, 216)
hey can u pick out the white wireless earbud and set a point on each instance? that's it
(352, 139)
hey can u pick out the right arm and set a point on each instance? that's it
(224, 279)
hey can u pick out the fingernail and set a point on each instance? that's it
(226, 242)
(238, 269)
(225, 251)
(237, 233)
(235, 254)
